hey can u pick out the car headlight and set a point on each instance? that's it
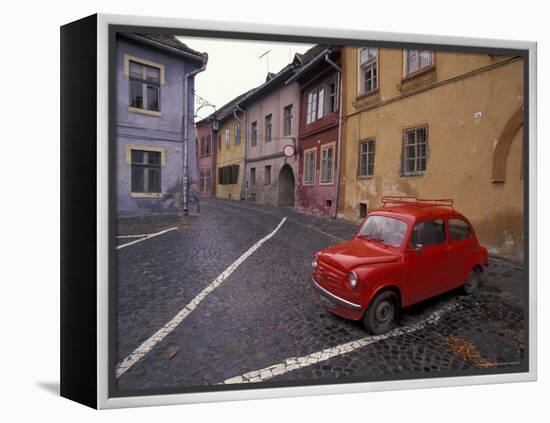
(353, 280)
(314, 262)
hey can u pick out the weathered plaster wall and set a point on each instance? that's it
(207, 161)
(228, 155)
(464, 118)
(273, 103)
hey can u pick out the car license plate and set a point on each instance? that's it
(327, 302)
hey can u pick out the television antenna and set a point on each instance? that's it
(266, 54)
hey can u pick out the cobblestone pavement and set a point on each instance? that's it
(264, 324)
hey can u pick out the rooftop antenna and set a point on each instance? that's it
(266, 54)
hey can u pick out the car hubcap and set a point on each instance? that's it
(384, 312)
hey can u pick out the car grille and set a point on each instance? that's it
(328, 276)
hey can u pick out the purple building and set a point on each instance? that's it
(155, 135)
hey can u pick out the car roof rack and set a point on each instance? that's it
(389, 200)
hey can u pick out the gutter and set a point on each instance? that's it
(185, 130)
(245, 141)
(339, 142)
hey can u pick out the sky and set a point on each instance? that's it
(235, 66)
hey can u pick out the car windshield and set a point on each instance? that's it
(386, 229)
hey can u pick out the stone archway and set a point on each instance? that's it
(286, 183)
(504, 142)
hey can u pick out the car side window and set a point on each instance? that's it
(459, 230)
(429, 232)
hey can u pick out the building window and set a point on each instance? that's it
(366, 158)
(287, 123)
(208, 146)
(237, 134)
(205, 145)
(227, 137)
(415, 149)
(309, 166)
(416, 59)
(254, 134)
(228, 175)
(268, 127)
(311, 106)
(327, 164)
(331, 105)
(368, 64)
(144, 86)
(252, 176)
(362, 210)
(322, 100)
(145, 176)
(267, 175)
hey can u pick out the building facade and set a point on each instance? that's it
(319, 130)
(230, 150)
(271, 115)
(150, 111)
(206, 158)
(436, 125)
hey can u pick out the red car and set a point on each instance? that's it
(405, 252)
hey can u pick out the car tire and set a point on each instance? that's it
(381, 313)
(473, 281)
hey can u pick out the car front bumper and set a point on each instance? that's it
(334, 298)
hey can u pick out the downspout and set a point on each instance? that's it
(339, 142)
(245, 140)
(185, 126)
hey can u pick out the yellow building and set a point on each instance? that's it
(436, 125)
(230, 151)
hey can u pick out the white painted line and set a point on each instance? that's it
(144, 239)
(148, 345)
(294, 363)
(133, 236)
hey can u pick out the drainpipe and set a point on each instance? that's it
(245, 140)
(185, 125)
(339, 143)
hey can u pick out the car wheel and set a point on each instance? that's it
(381, 313)
(473, 281)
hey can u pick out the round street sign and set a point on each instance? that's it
(288, 150)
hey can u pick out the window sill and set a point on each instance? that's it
(405, 175)
(420, 72)
(144, 111)
(326, 183)
(359, 177)
(368, 94)
(308, 184)
(151, 195)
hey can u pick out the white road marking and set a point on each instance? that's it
(148, 345)
(133, 236)
(144, 239)
(294, 363)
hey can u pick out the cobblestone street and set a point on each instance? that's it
(194, 320)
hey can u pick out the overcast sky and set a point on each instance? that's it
(234, 66)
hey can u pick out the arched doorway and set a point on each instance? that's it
(286, 184)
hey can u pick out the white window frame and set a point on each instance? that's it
(227, 137)
(369, 151)
(237, 133)
(326, 148)
(417, 145)
(370, 63)
(408, 54)
(311, 152)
